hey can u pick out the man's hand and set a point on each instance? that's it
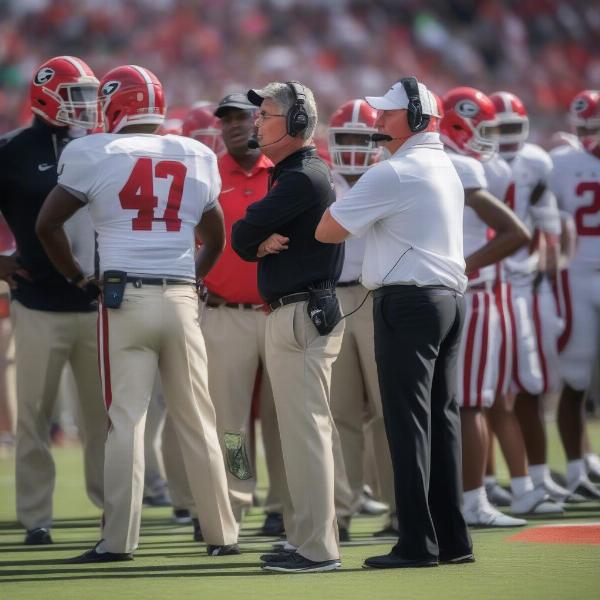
(274, 244)
(9, 266)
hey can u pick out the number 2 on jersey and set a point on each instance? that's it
(138, 193)
(590, 209)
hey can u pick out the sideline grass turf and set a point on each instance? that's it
(169, 564)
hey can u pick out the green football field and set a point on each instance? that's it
(169, 564)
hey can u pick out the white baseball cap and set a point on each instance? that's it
(395, 98)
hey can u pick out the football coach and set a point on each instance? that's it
(410, 208)
(297, 277)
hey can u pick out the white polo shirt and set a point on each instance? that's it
(410, 209)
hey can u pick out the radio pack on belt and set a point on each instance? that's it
(113, 288)
(323, 308)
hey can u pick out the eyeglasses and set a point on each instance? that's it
(263, 116)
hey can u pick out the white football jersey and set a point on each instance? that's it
(530, 167)
(576, 183)
(475, 231)
(499, 176)
(146, 194)
(354, 247)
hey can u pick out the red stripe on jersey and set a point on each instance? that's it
(484, 345)
(469, 352)
(565, 291)
(537, 320)
(515, 346)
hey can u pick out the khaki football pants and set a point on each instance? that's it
(44, 342)
(299, 363)
(355, 398)
(235, 347)
(157, 326)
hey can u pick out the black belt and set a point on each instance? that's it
(290, 299)
(348, 283)
(140, 281)
(239, 306)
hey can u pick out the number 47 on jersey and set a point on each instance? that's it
(138, 193)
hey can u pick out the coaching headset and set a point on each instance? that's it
(417, 121)
(296, 120)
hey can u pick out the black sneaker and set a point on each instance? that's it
(40, 536)
(456, 560)
(198, 537)
(278, 556)
(387, 532)
(93, 556)
(181, 516)
(161, 499)
(296, 563)
(273, 525)
(392, 561)
(226, 550)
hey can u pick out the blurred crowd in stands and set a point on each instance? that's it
(544, 50)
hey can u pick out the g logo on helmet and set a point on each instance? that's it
(467, 108)
(43, 76)
(110, 87)
(579, 105)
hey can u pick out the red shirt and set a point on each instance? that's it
(232, 278)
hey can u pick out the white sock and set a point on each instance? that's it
(593, 461)
(538, 473)
(576, 470)
(521, 485)
(490, 480)
(474, 498)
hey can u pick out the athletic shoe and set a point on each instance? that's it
(391, 561)
(485, 515)
(535, 502)
(225, 550)
(198, 537)
(497, 495)
(592, 464)
(584, 487)
(560, 494)
(93, 556)
(390, 530)
(296, 563)
(273, 525)
(280, 556)
(160, 499)
(40, 536)
(181, 516)
(457, 560)
(372, 507)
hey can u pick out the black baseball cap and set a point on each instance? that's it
(236, 100)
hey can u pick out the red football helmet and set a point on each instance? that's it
(201, 125)
(64, 91)
(131, 95)
(513, 123)
(584, 115)
(350, 147)
(469, 125)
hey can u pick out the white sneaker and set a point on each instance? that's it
(560, 494)
(584, 487)
(592, 465)
(535, 502)
(497, 495)
(370, 506)
(485, 515)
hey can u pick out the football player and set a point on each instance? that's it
(576, 183)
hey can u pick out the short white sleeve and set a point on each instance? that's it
(215, 185)
(470, 170)
(76, 170)
(373, 197)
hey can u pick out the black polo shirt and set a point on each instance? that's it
(28, 160)
(300, 190)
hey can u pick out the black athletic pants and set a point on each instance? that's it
(417, 335)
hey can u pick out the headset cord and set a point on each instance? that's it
(370, 291)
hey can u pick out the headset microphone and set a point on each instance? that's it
(381, 137)
(254, 144)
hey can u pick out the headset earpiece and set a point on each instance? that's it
(417, 121)
(297, 117)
